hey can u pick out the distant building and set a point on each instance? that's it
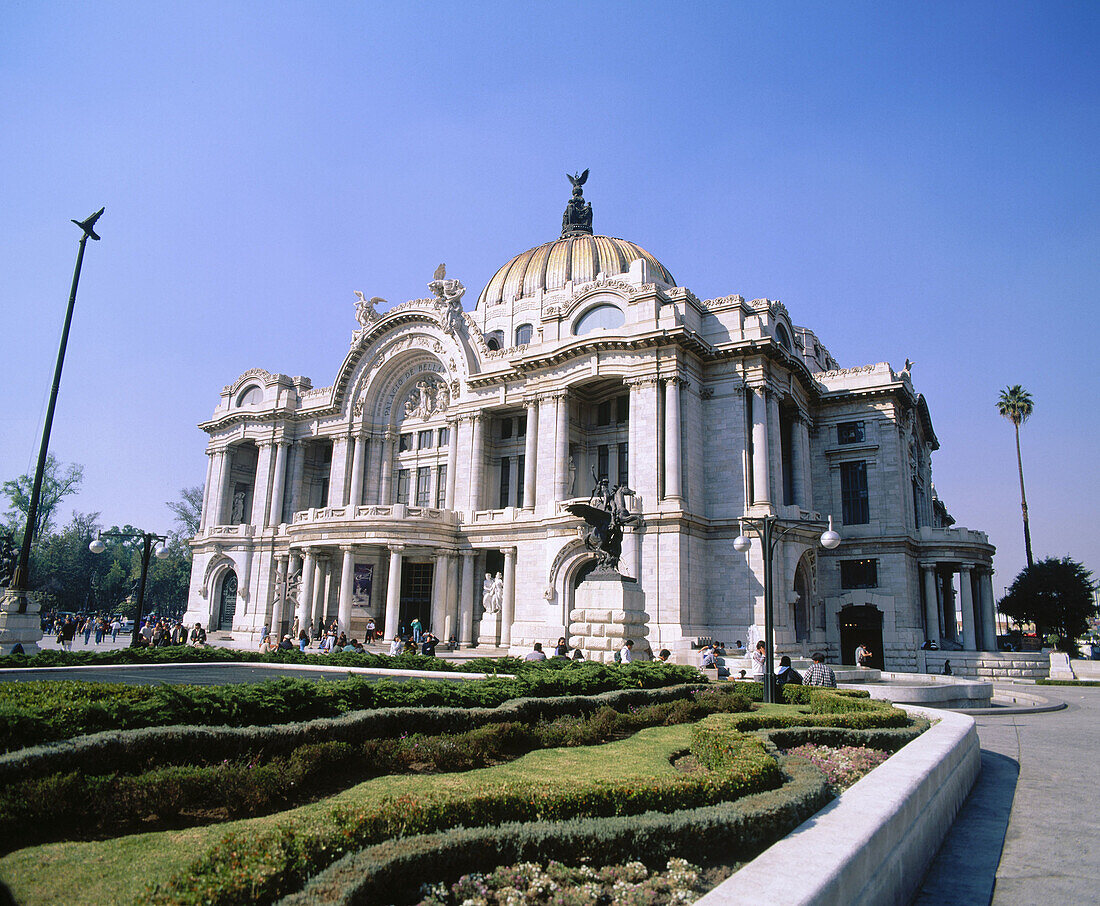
(444, 450)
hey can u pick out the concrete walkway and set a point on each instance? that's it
(1028, 834)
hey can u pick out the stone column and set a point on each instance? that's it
(385, 492)
(347, 581)
(508, 604)
(207, 490)
(261, 497)
(450, 620)
(393, 591)
(643, 439)
(530, 456)
(322, 584)
(355, 497)
(969, 642)
(477, 462)
(561, 448)
(466, 602)
(800, 452)
(276, 624)
(452, 461)
(225, 489)
(297, 473)
(673, 468)
(989, 614)
(338, 472)
(305, 590)
(775, 449)
(761, 470)
(931, 602)
(275, 514)
(439, 594)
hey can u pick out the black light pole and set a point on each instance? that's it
(148, 541)
(21, 578)
(765, 528)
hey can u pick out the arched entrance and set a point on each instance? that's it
(802, 587)
(416, 596)
(227, 600)
(861, 625)
(577, 573)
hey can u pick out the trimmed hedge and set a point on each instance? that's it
(244, 868)
(73, 805)
(43, 711)
(135, 750)
(393, 871)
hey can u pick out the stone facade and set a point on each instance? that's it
(450, 442)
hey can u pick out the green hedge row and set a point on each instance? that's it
(888, 739)
(392, 872)
(247, 868)
(136, 750)
(80, 804)
(38, 712)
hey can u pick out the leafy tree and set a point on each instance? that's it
(1016, 405)
(188, 511)
(58, 482)
(1055, 595)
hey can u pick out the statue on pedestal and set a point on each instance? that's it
(606, 513)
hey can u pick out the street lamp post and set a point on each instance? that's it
(148, 541)
(770, 530)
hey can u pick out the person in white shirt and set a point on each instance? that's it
(626, 653)
(395, 646)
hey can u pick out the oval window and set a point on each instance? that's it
(250, 397)
(602, 317)
(783, 337)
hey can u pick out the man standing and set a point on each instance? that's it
(819, 674)
(537, 654)
(626, 653)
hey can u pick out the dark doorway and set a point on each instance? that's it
(802, 603)
(227, 601)
(861, 625)
(416, 595)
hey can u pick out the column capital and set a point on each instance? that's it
(676, 380)
(468, 555)
(508, 551)
(647, 380)
(395, 548)
(347, 548)
(929, 565)
(283, 558)
(965, 567)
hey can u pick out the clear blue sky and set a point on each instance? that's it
(910, 179)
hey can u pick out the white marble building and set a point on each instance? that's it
(450, 440)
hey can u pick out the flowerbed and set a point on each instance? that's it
(841, 765)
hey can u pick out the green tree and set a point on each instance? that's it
(58, 482)
(188, 511)
(1055, 595)
(1016, 405)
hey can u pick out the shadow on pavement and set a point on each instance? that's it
(964, 871)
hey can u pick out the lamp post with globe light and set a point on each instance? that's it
(148, 541)
(770, 530)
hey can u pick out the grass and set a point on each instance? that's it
(117, 871)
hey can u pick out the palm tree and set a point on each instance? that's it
(1015, 404)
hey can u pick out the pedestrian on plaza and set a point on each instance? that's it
(198, 636)
(267, 644)
(428, 645)
(68, 633)
(395, 646)
(536, 653)
(285, 644)
(863, 655)
(179, 633)
(87, 630)
(303, 640)
(562, 648)
(116, 625)
(759, 660)
(626, 653)
(417, 629)
(787, 673)
(370, 630)
(98, 630)
(819, 674)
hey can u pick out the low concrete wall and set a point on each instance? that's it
(987, 665)
(927, 690)
(873, 845)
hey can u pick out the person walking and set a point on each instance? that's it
(759, 660)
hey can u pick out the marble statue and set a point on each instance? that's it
(448, 294)
(488, 594)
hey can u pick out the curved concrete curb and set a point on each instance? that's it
(1007, 702)
(872, 845)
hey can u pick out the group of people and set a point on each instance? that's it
(819, 674)
(153, 633)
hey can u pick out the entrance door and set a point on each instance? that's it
(227, 601)
(416, 595)
(861, 625)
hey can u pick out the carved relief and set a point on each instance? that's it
(427, 398)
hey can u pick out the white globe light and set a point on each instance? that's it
(741, 544)
(829, 538)
(97, 547)
(161, 553)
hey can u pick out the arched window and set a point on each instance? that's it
(783, 337)
(605, 317)
(250, 396)
(227, 601)
(495, 339)
(523, 334)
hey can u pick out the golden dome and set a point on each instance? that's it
(577, 257)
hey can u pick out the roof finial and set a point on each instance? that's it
(577, 219)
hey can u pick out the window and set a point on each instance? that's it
(520, 462)
(505, 480)
(602, 317)
(521, 425)
(853, 493)
(444, 437)
(859, 573)
(603, 413)
(850, 433)
(505, 428)
(622, 408)
(495, 339)
(624, 464)
(441, 491)
(783, 337)
(403, 486)
(404, 443)
(523, 334)
(601, 461)
(424, 485)
(250, 397)
(424, 440)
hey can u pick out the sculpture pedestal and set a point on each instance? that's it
(488, 630)
(19, 628)
(610, 608)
